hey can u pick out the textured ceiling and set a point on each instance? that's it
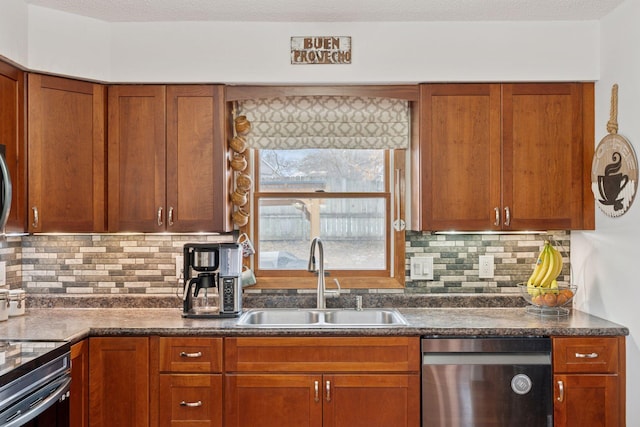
(334, 10)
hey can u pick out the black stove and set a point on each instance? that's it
(34, 383)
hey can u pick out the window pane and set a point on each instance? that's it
(353, 231)
(328, 170)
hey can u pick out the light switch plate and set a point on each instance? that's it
(421, 268)
(485, 266)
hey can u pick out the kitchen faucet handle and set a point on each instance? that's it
(334, 293)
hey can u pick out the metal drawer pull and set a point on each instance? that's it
(586, 355)
(328, 391)
(36, 217)
(560, 397)
(507, 215)
(191, 404)
(171, 216)
(196, 354)
(160, 216)
(497, 211)
(316, 387)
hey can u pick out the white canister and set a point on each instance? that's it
(16, 302)
(4, 304)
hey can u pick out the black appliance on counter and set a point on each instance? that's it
(35, 379)
(212, 280)
(487, 382)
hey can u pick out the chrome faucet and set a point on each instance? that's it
(321, 303)
(322, 289)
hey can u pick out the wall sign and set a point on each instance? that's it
(614, 170)
(321, 50)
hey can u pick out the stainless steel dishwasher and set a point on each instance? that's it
(482, 382)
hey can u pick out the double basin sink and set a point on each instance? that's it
(321, 318)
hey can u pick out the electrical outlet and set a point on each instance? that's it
(422, 268)
(3, 273)
(179, 266)
(485, 266)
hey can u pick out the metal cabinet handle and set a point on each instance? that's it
(586, 355)
(328, 385)
(191, 404)
(507, 216)
(316, 387)
(192, 355)
(560, 397)
(497, 212)
(36, 217)
(170, 216)
(160, 217)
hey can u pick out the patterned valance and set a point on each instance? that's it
(327, 122)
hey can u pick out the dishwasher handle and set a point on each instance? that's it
(486, 359)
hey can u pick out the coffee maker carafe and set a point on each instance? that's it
(212, 280)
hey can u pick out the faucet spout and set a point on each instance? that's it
(321, 302)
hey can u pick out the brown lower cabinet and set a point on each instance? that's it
(589, 381)
(79, 397)
(186, 381)
(338, 381)
(305, 381)
(322, 400)
(119, 381)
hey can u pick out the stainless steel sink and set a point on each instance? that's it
(321, 318)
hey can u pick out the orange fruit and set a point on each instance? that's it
(550, 300)
(562, 299)
(567, 293)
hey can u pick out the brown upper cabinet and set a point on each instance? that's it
(504, 157)
(66, 155)
(12, 131)
(167, 159)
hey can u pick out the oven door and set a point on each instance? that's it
(48, 406)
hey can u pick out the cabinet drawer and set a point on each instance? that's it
(190, 354)
(190, 400)
(585, 355)
(322, 354)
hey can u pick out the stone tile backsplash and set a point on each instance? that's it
(145, 264)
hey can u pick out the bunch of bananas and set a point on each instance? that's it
(548, 267)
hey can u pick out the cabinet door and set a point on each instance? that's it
(273, 400)
(543, 155)
(190, 400)
(459, 157)
(66, 155)
(119, 381)
(197, 172)
(137, 151)
(79, 397)
(371, 400)
(586, 400)
(12, 119)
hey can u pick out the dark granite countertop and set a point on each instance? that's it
(75, 324)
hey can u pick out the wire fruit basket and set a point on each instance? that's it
(548, 301)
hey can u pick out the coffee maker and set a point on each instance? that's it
(212, 280)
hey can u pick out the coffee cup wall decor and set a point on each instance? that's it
(614, 169)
